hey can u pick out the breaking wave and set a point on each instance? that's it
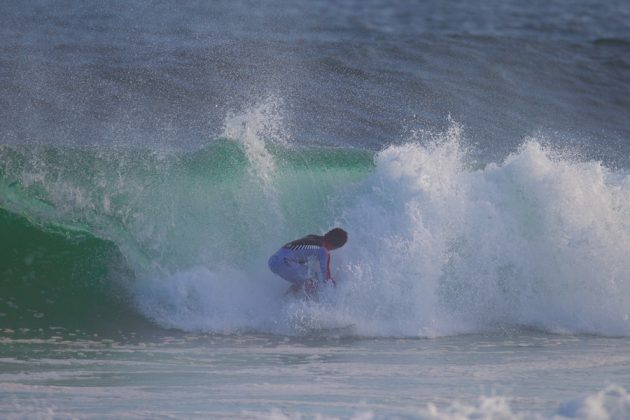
(438, 243)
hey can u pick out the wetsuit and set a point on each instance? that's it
(302, 260)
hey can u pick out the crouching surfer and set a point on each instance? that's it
(305, 261)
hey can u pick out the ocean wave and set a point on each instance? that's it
(438, 244)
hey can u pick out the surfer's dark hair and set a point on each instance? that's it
(337, 237)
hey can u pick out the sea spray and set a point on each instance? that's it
(438, 248)
(536, 241)
(438, 245)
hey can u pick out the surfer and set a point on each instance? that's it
(304, 261)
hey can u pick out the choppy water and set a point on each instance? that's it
(152, 157)
(518, 375)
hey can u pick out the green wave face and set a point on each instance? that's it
(80, 226)
(56, 280)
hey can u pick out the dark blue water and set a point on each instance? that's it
(363, 74)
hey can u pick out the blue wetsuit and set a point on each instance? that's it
(301, 260)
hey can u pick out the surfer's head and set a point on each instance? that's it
(335, 238)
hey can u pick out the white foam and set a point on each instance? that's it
(536, 240)
(438, 248)
(220, 300)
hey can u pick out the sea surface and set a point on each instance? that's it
(154, 154)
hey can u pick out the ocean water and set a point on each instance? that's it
(153, 155)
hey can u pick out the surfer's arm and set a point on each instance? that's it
(325, 266)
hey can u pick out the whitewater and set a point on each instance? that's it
(534, 241)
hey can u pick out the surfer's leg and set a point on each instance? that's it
(295, 273)
(286, 268)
